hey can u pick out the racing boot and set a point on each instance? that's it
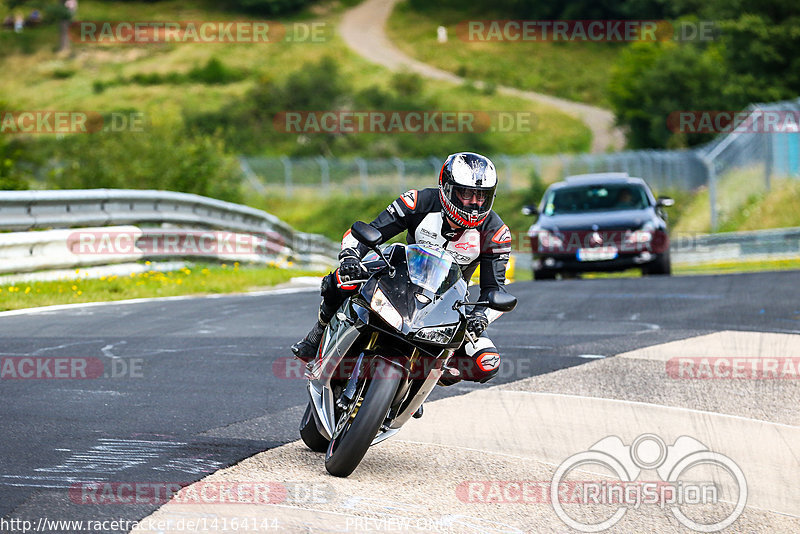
(306, 348)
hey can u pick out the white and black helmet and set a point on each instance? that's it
(467, 186)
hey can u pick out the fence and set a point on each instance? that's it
(734, 167)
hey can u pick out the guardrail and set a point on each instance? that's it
(756, 245)
(159, 224)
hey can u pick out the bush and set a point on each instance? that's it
(12, 178)
(158, 158)
(266, 7)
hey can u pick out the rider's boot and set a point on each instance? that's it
(306, 348)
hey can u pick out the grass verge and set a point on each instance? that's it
(196, 280)
(87, 77)
(575, 71)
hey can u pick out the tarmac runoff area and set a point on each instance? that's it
(484, 461)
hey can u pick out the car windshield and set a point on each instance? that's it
(595, 198)
(432, 268)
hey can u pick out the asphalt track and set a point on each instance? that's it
(204, 393)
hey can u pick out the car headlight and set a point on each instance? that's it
(549, 240)
(638, 237)
(441, 335)
(381, 305)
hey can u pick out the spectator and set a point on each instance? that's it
(19, 21)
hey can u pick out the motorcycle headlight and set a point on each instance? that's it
(441, 335)
(381, 305)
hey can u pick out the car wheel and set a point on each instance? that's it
(661, 266)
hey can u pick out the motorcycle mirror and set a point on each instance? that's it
(501, 301)
(369, 235)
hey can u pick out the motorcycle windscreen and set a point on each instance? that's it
(432, 268)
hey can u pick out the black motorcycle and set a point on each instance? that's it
(384, 351)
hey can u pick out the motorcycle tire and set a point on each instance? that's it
(347, 449)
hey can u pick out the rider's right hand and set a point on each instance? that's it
(351, 268)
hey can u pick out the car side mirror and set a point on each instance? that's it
(501, 301)
(530, 210)
(664, 202)
(364, 233)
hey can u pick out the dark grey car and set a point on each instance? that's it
(599, 222)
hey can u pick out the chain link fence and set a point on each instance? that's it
(734, 167)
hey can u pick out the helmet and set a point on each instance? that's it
(467, 185)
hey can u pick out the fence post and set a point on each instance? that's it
(362, 174)
(325, 177)
(401, 172)
(712, 191)
(252, 178)
(768, 160)
(287, 174)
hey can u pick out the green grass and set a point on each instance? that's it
(194, 280)
(331, 216)
(744, 204)
(575, 71)
(36, 80)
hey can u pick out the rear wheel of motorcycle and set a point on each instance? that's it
(348, 448)
(310, 434)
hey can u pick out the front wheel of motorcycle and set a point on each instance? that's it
(310, 434)
(348, 448)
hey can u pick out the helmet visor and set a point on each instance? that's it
(471, 197)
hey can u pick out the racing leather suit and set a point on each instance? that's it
(488, 246)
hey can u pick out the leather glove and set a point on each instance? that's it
(477, 323)
(350, 266)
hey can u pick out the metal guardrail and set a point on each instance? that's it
(756, 245)
(161, 217)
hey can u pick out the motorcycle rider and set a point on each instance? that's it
(458, 217)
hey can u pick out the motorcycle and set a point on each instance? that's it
(385, 349)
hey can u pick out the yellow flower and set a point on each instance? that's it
(74, 288)
(27, 290)
(80, 292)
(147, 262)
(224, 266)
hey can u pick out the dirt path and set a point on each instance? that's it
(363, 29)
